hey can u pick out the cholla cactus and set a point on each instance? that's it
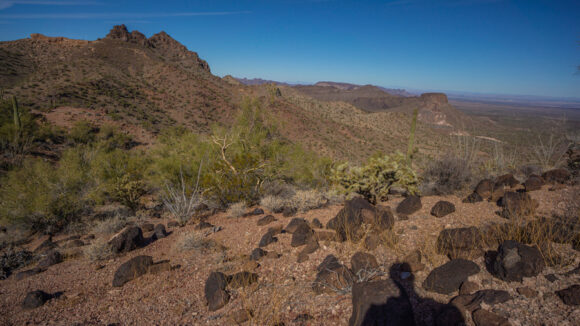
(374, 179)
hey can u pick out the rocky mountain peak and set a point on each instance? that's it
(119, 32)
(167, 46)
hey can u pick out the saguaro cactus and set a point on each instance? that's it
(16, 113)
(412, 136)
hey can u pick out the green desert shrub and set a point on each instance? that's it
(43, 196)
(119, 176)
(374, 179)
(83, 132)
(235, 161)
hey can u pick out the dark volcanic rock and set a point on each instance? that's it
(356, 212)
(268, 238)
(215, 292)
(203, 225)
(460, 242)
(409, 205)
(302, 235)
(571, 295)
(130, 238)
(362, 262)
(24, 274)
(294, 224)
(316, 223)
(132, 269)
(483, 317)
(256, 211)
(515, 261)
(533, 183)
(556, 176)
(35, 299)
(442, 208)
(159, 231)
(332, 276)
(258, 253)
(266, 220)
(380, 303)
(472, 198)
(448, 277)
(51, 257)
(506, 180)
(484, 188)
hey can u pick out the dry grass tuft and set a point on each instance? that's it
(196, 241)
(110, 225)
(237, 210)
(99, 250)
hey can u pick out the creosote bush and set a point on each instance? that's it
(374, 179)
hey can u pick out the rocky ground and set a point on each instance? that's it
(356, 264)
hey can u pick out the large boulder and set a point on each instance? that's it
(294, 224)
(130, 238)
(132, 269)
(447, 278)
(506, 180)
(363, 264)
(533, 183)
(380, 303)
(409, 205)
(332, 276)
(460, 242)
(556, 176)
(215, 292)
(302, 235)
(356, 212)
(442, 208)
(515, 261)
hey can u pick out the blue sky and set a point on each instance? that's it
(487, 46)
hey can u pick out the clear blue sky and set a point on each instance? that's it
(487, 46)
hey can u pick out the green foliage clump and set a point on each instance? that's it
(118, 176)
(235, 161)
(43, 196)
(83, 132)
(374, 179)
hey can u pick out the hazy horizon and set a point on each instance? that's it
(498, 47)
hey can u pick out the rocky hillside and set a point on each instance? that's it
(151, 82)
(416, 261)
(434, 108)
